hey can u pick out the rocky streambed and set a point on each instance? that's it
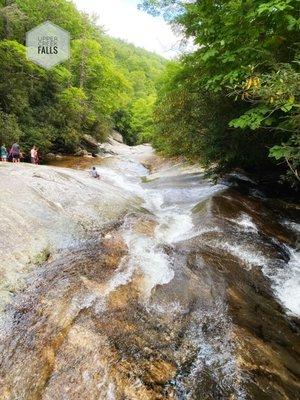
(145, 286)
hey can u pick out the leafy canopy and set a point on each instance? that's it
(247, 59)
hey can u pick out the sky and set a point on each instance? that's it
(122, 19)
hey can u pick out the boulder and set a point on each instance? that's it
(81, 153)
(117, 136)
(92, 142)
(58, 207)
(52, 156)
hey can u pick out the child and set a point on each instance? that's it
(94, 173)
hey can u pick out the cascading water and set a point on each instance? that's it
(191, 296)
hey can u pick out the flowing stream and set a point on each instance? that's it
(194, 294)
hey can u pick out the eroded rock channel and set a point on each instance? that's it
(164, 287)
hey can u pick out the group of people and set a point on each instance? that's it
(15, 154)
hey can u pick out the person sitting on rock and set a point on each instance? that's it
(94, 173)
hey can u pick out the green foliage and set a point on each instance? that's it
(40, 136)
(252, 118)
(277, 94)
(142, 121)
(247, 62)
(137, 123)
(9, 129)
(53, 109)
(290, 153)
(142, 69)
(194, 122)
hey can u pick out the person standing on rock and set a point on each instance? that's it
(3, 153)
(33, 155)
(37, 158)
(15, 153)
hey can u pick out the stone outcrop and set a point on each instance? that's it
(45, 209)
(90, 141)
(165, 297)
(115, 135)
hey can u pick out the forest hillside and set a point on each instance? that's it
(106, 83)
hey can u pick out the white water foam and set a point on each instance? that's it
(122, 277)
(248, 256)
(215, 352)
(246, 222)
(111, 392)
(146, 257)
(207, 229)
(285, 279)
(287, 283)
(172, 208)
(292, 225)
(121, 181)
(173, 226)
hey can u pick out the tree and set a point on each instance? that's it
(9, 129)
(243, 49)
(55, 108)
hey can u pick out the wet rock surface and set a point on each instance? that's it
(190, 294)
(45, 209)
